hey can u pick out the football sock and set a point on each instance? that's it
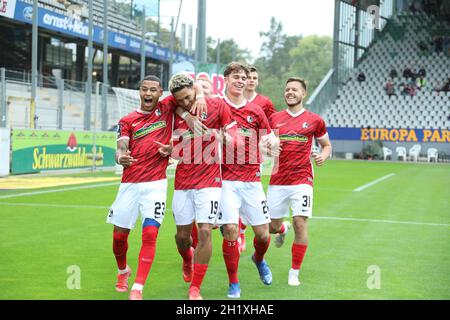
(120, 247)
(194, 235)
(123, 271)
(282, 229)
(137, 286)
(242, 227)
(199, 274)
(298, 253)
(260, 249)
(186, 254)
(231, 256)
(147, 253)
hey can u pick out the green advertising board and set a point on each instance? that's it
(39, 150)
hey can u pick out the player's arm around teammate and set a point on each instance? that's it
(197, 181)
(143, 188)
(242, 191)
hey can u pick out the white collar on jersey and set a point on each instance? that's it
(254, 96)
(234, 105)
(139, 110)
(295, 114)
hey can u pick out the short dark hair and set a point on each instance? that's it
(150, 78)
(235, 67)
(297, 79)
(252, 68)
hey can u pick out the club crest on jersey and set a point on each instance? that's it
(305, 125)
(158, 112)
(204, 116)
(249, 119)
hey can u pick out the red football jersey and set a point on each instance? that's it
(199, 157)
(296, 132)
(243, 164)
(265, 103)
(143, 129)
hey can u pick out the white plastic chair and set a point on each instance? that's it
(401, 152)
(432, 153)
(414, 152)
(387, 153)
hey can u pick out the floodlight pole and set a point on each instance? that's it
(87, 110)
(143, 62)
(337, 21)
(172, 42)
(105, 68)
(201, 31)
(34, 62)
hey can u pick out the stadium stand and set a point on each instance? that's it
(116, 22)
(366, 104)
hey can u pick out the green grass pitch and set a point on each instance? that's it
(399, 227)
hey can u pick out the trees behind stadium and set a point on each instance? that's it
(281, 56)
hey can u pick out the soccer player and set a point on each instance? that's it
(242, 191)
(291, 183)
(267, 106)
(251, 95)
(197, 179)
(144, 184)
(207, 86)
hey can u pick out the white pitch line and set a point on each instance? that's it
(374, 182)
(384, 221)
(53, 205)
(58, 190)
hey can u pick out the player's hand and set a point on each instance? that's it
(195, 125)
(319, 159)
(165, 149)
(199, 107)
(126, 159)
(271, 145)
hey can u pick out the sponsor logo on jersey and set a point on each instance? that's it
(245, 132)
(293, 137)
(187, 135)
(149, 129)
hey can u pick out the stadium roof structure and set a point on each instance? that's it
(70, 19)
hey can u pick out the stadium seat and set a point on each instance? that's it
(387, 153)
(414, 152)
(432, 153)
(401, 153)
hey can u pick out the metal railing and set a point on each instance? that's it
(60, 103)
(323, 95)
